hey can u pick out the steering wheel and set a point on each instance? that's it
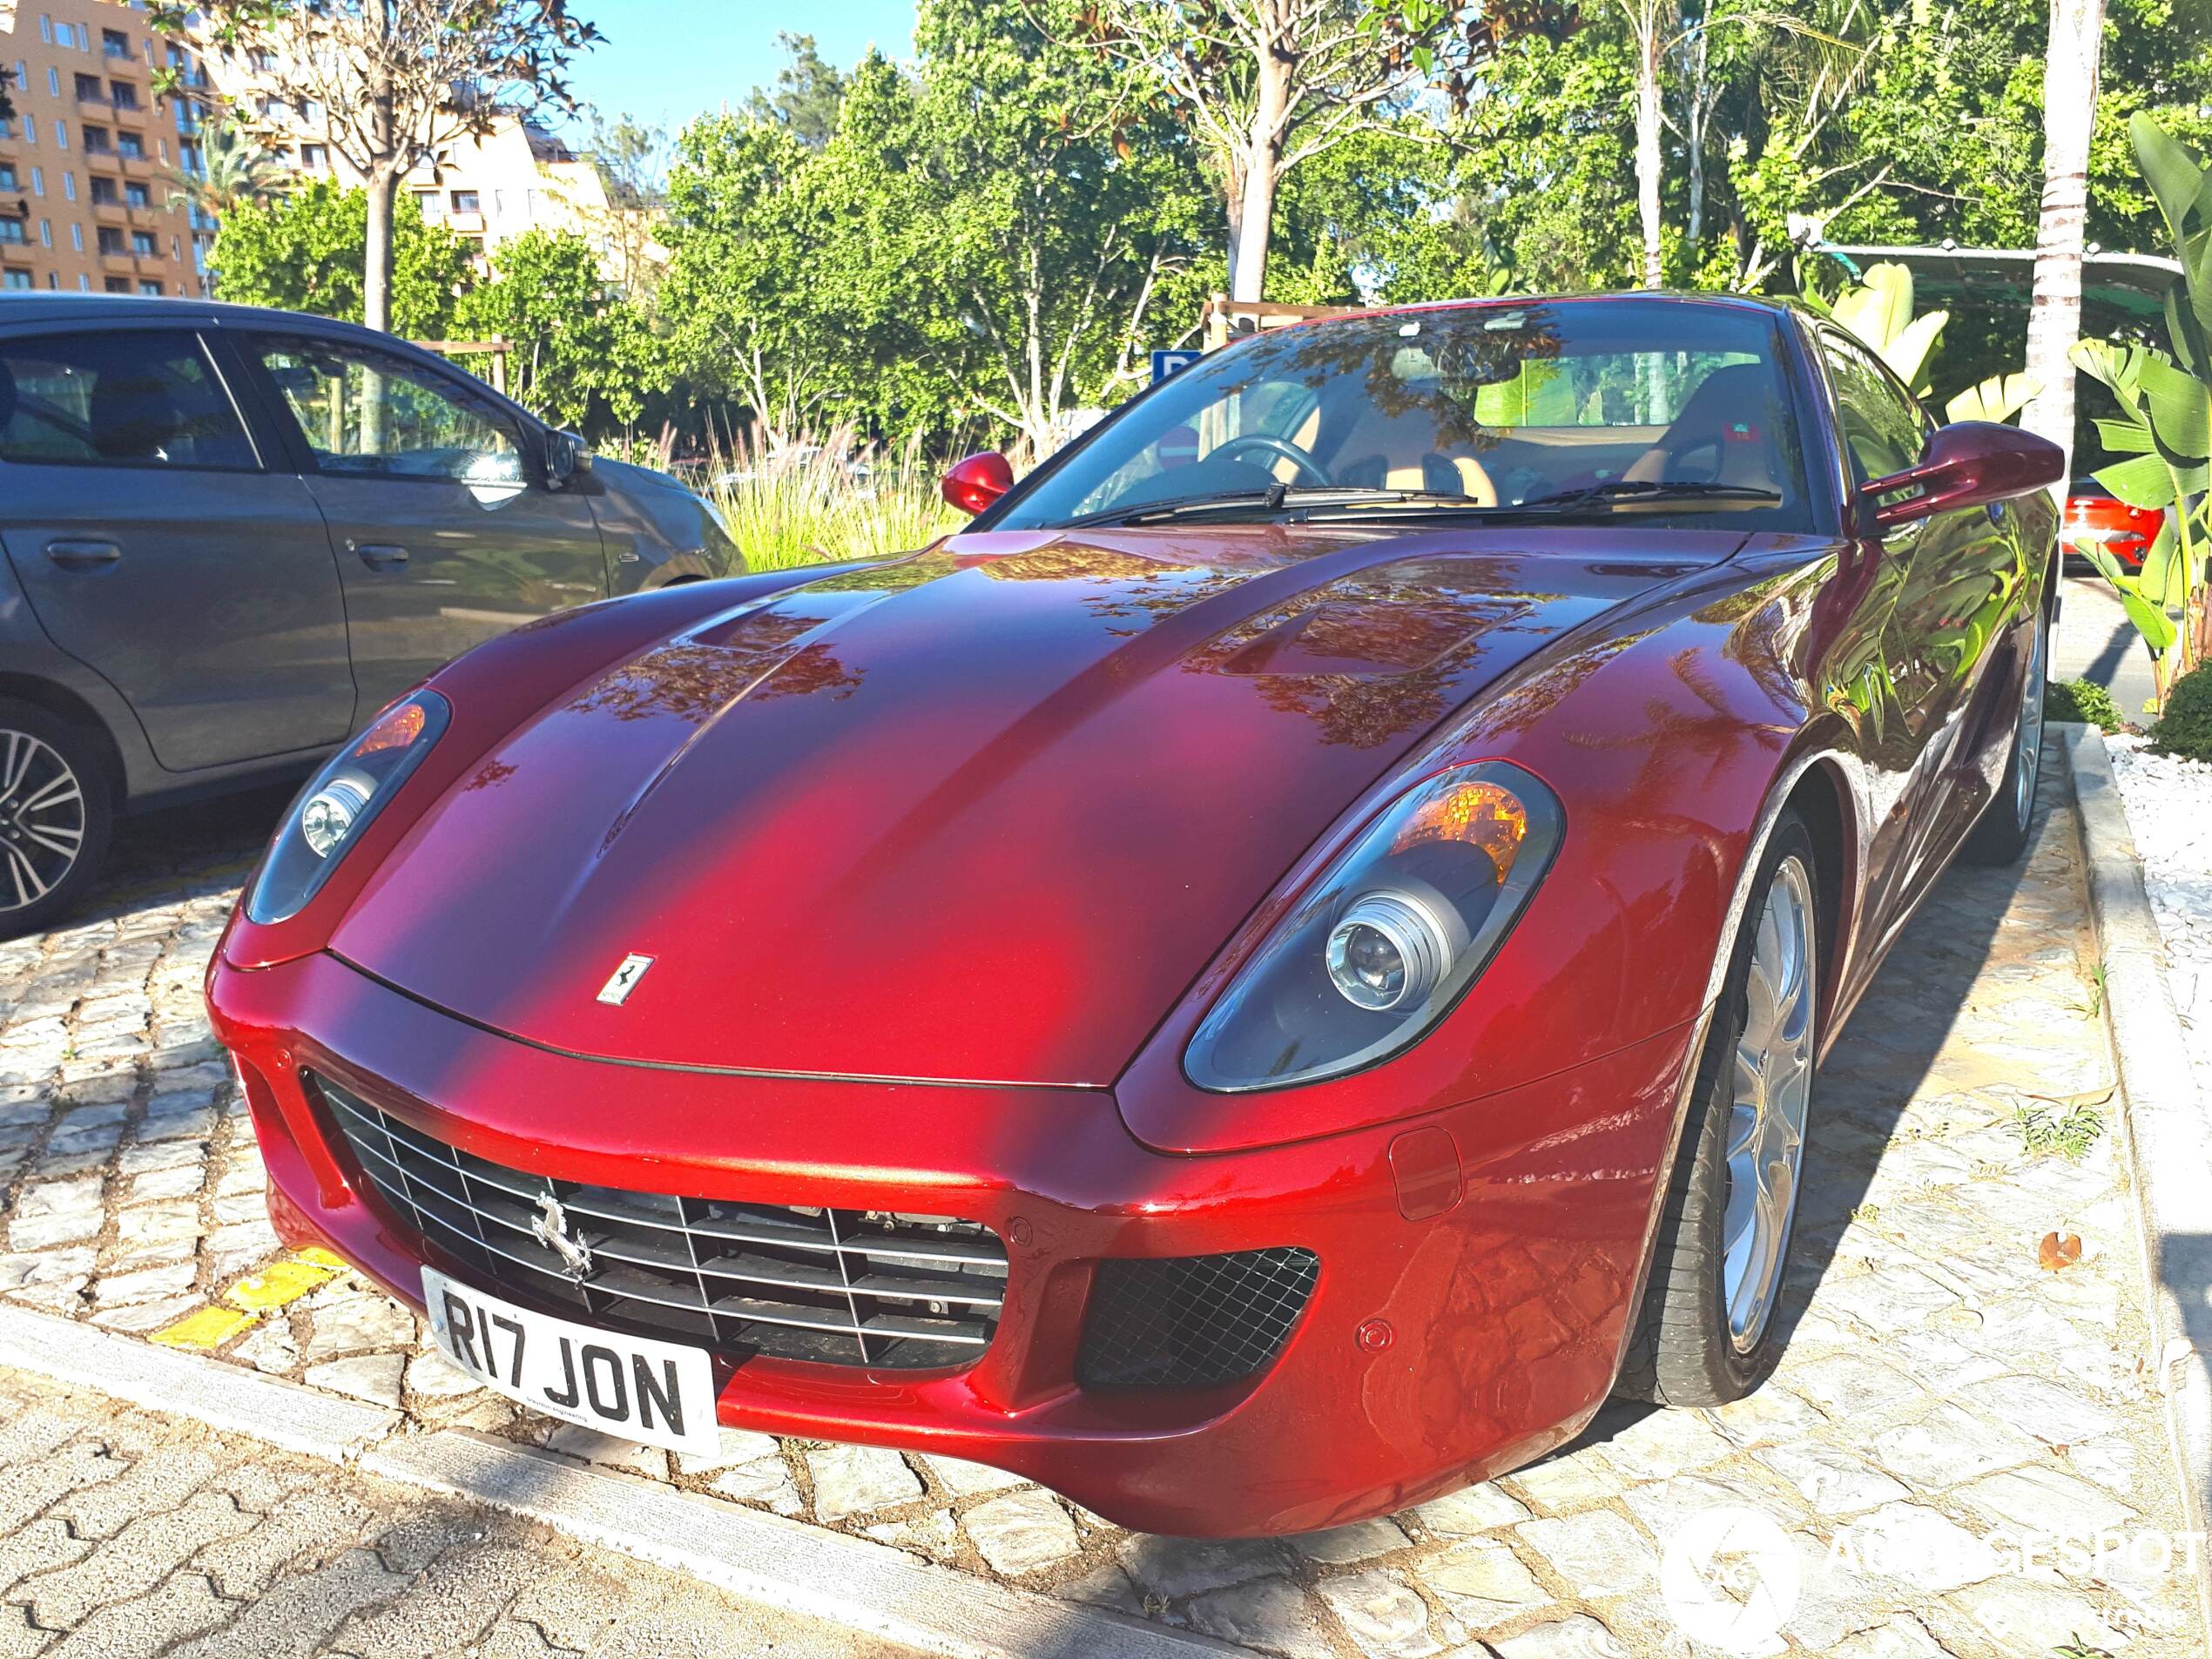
(1281, 449)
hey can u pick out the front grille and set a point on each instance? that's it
(849, 1287)
(1189, 1321)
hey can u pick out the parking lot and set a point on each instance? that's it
(1944, 1392)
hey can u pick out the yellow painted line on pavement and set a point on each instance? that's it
(208, 1327)
(321, 1257)
(278, 1285)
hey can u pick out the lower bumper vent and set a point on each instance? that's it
(848, 1287)
(1191, 1321)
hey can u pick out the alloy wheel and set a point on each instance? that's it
(42, 819)
(1772, 1088)
(2031, 728)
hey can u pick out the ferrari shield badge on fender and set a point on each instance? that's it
(625, 980)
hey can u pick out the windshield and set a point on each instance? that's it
(1658, 411)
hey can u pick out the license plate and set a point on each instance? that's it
(656, 1394)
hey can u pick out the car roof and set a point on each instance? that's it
(53, 306)
(1777, 305)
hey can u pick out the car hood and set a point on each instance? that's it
(982, 813)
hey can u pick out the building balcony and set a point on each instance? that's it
(110, 212)
(466, 223)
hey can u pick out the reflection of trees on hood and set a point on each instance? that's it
(692, 681)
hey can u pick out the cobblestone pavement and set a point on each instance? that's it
(1943, 1389)
(125, 1535)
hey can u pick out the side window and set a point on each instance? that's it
(1884, 430)
(367, 413)
(117, 399)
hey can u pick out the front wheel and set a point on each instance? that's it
(55, 816)
(1705, 1334)
(2000, 836)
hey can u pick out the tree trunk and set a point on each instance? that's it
(1251, 205)
(1648, 162)
(2054, 313)
(376, 272)
(1694, 118)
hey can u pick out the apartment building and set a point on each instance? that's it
(88, 162)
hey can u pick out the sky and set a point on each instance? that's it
(664, 61)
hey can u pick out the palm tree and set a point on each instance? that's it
(234, 169)
(2055, 311)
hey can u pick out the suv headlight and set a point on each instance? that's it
(1392, 934)
(339, 802)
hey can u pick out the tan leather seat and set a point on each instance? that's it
(1733, 414)
(1386, 451)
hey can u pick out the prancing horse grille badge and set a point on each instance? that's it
(625, 980)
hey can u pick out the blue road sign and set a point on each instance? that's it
(1166, 363)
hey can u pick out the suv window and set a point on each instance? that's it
(117, 400)
(1884, 430)
(367, 412)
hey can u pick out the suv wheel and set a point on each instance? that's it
(56, 814)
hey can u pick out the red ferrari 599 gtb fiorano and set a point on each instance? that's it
(1254, 985)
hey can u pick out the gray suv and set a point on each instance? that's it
(232, 535)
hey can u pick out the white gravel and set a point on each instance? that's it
(2170, 812)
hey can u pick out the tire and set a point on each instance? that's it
(2001, 834)
(1704, 1337)
(56, 812)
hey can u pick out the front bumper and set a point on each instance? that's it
(1433, 1352)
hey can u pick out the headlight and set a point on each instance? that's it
(339, 802)
(1392, 933)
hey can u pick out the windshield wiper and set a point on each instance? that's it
(1642, 490)
(1280, 498)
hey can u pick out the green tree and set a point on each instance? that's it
(578, 347)
(304, 251)
(805, 99)
(234, 169)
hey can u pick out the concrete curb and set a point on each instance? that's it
(764, 1558)
(2166, 1130)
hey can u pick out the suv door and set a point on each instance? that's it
(444, 532)
(159, 544)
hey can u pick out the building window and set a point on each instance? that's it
(16, 279)
(145, 245)
(263, 60)
(11, 233)
(97, 142)
(69, 186)
(129, 146)
(45, 29)
(273, 109)
(61, 135)
(53, 82)
(464, 201)
(313, 156)
(148, 286)
(101, 191)
(46, 233)
(8, 176)
(118, 285)
(88, 89)
(37, 181)
(427, 201)
(122, 95)
(76, 237)
(53, 279)
(114, 43)
(111, 240)
(138, 196)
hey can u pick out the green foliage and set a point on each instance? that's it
(304, 251)
(2083, 700)
(803, 505)
(2070, 1133)
(809, 92)
(2185, 728)
(577, 347)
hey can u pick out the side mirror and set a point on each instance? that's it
(1968, 463)
(977, 481)
(566, 455)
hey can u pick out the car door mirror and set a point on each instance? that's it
(977, 481)
(566, 455)
(1968, 463)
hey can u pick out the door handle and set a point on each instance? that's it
(82, 556)
(380, 556)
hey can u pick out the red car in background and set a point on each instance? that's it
(1254, 985)
(2094, 514)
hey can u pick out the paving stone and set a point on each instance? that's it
(1483, 1582)
(1564, 1483)
(766, 1482)
(1902, 1638)
(165, 1154)
(2027, 1617)
(1269, 1615)
(1471, 1510)
(2059, 1416)
(1382, 1614)
(1663, 1443)
(1172, 1567)
(1347, 1546)
(1921, 1548)
(963, 1479)
(1949, 1445)
(432, 1376)
(373, 1377)
(346, 1321)
(1597, 1554)
(270, 1347)
(1578, 1637)
(934, 1535)
(122, 1289)
(731, 1445)
(149, 1316)
(1019, 1532)
(573, 1440)
(2043, 1500)
(180, 1182)
(1853, 1386)
(851, 1479)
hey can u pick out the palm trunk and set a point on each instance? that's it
(2054, 313)
(376, 272)
(1647, 163)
